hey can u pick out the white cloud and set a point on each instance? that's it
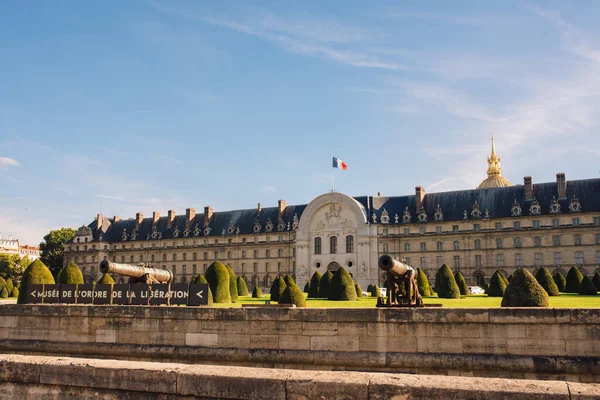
(6, 162)
(103, 196)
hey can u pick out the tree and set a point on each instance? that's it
(217, 277)
(277, 288)
(560, 280)
(497, 285)
(292, 295)
(52, 249)
(242, 287)
(359, 291)
(35, 273)
(325, 284)
(445, 284)
(257, 293)
(587, 287)
(524, 291)
(574, 278)
(313, 291)
(70, 274)
(462, 283)
(342, 286)
(233, 290)
(595, 280)
(423, 283)
(14, 292)
(12, 266)
(106, 279)
(546, 281)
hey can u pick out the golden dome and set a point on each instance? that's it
(494, 172)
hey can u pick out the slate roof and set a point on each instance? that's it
(498, 202)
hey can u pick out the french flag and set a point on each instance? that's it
(337, 163)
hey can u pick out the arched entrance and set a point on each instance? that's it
(333, 266)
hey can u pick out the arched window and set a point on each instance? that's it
(174, 257)
(152, 258)
(216, 255)
(255, 253)
(131, 259)
(164, 257)
(280, 253)
(439, 246)
(423, 246)
(184, 256)
(206, 255)
(456, 245)
(518, 243)
(333, 245)
(243, 253)
(349, 244)
(498, 243)
(317, 245)
(477, 244)
(195, 256)
(385, 247)
(268, 253)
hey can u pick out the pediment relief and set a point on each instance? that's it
(333, 217)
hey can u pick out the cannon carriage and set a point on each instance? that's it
(402, 287)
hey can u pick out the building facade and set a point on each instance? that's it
(14, 246)
(496, 226)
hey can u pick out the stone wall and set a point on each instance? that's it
(509, 343)
(53, 377)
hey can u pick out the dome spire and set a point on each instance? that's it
(494, 171)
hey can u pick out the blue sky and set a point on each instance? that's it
(118, 107)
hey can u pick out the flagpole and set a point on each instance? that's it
(332, 181)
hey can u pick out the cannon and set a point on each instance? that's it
(143, 273)
(402, 287)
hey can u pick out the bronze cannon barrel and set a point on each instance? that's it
(135, 271)
(394, 267)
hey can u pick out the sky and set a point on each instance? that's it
(133, 106)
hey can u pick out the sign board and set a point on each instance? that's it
(68, 294)
(51, 294)
(160, 295)
(102, 293)
(140, 294)
(85, 293)
(178, 294)
(120, 294)
(35, 294)
(198, 294)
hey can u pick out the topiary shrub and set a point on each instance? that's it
(199, 279)
(242, 287)
(524, 291)
(574, 278)
(560, 280)
(485, 286)
(18, 285)
(375, 292)
(4, 292)
(106, 279)
(423, 283)
(461, 283)
(277, 288)
(70, 274)
(35, 273)
(370, 288)
(233, 290)
(325, 285)
(14, 292)
(445, 284)
(2, 282)
(307, 287)
(289, 280)
(546, 281)
(587, 287)
(292, 295)
(342, 286)
(217, 277)
(497, 285)
(257, 293)
(595, 280)
(358, 290)
(313, 291)
(9, 285)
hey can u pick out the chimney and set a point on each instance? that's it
(139, 217)
(116, 218)
(100, 220)
(208, 212)
(190, 213)
(528, 188)
(378, 194)
(259, 208)
(282, 206)
(561, 184)
(170, 218)
(155, 217)
(419, 196)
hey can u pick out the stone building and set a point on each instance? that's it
(11, 246)
(496, 226)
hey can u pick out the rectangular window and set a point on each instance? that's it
(280, 238)
(406, 246)
(538, 259)
(519, 260)
(456, 245)
(477, 244)
(174, 269)
(438, 229)
(498, 243)
(597, 221)
(498, 226)
(598, 257)
(478, 260)
(575, 221)
(555, 223)
(195, 268)
(423, 246)
(597, 238)
(440, 261)
(535, 224)
(407, 231)
(407, 260)
(579, 257)
(385, 231)
(243, 240)
(558, 258)
(456, 262)
(385, 247)
(577, 240)
(537, 241)
(454, 228)
(422, 230)
(500, 260)
(268, 239)
(423, 262)
(184, 269)
(556, 240)
(517, 224)
(476, 227)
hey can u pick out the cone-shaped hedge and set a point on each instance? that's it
(342, 286)
(546, 281)
(292, 295)
(14, 292)
(485, 286)
(199, 279)
(560, 280)
(461, 283)
(313, 291)
(504, 278)
(445, 284)
(106, 278)
(257, 293)
(595, 280)
(375, 292)
(4, 292)
(70, 274)
(574, 278)
(35, 273)
(233, 290)
(358, 290)
(524, 291)
(370, 288)
(217, 276)
(423, 283)
(242, 287)
(587, 287)
(2, 282)
(9, 285)
(307, 287)
(325, 284)
(277, 288)
(288, 280)
(497, 285)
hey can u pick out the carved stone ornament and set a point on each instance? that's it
(302, 272)
(148, 236)
(197, 231)
(295, 222)
(223, 232)
(374, 218)
(124, 236)
(515, 210)
(231, 228)
(176, 232)
(289, 226)
(134, 234)
(280, 225)
(207, 230)
(438, 215)
(396, 218)
(465, 215)
(154, 233)
(422, 217)
(100, 238)
(362, 271)
(535, 208)
(257, 227)
(269, 226)
(554, 206)
(476, 212)
(186, 232)
(406, 217)
(486, 214)
(385, 218)
(237, 230)
(575, 205)
(83, 231)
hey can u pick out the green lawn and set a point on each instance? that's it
(480, 301)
